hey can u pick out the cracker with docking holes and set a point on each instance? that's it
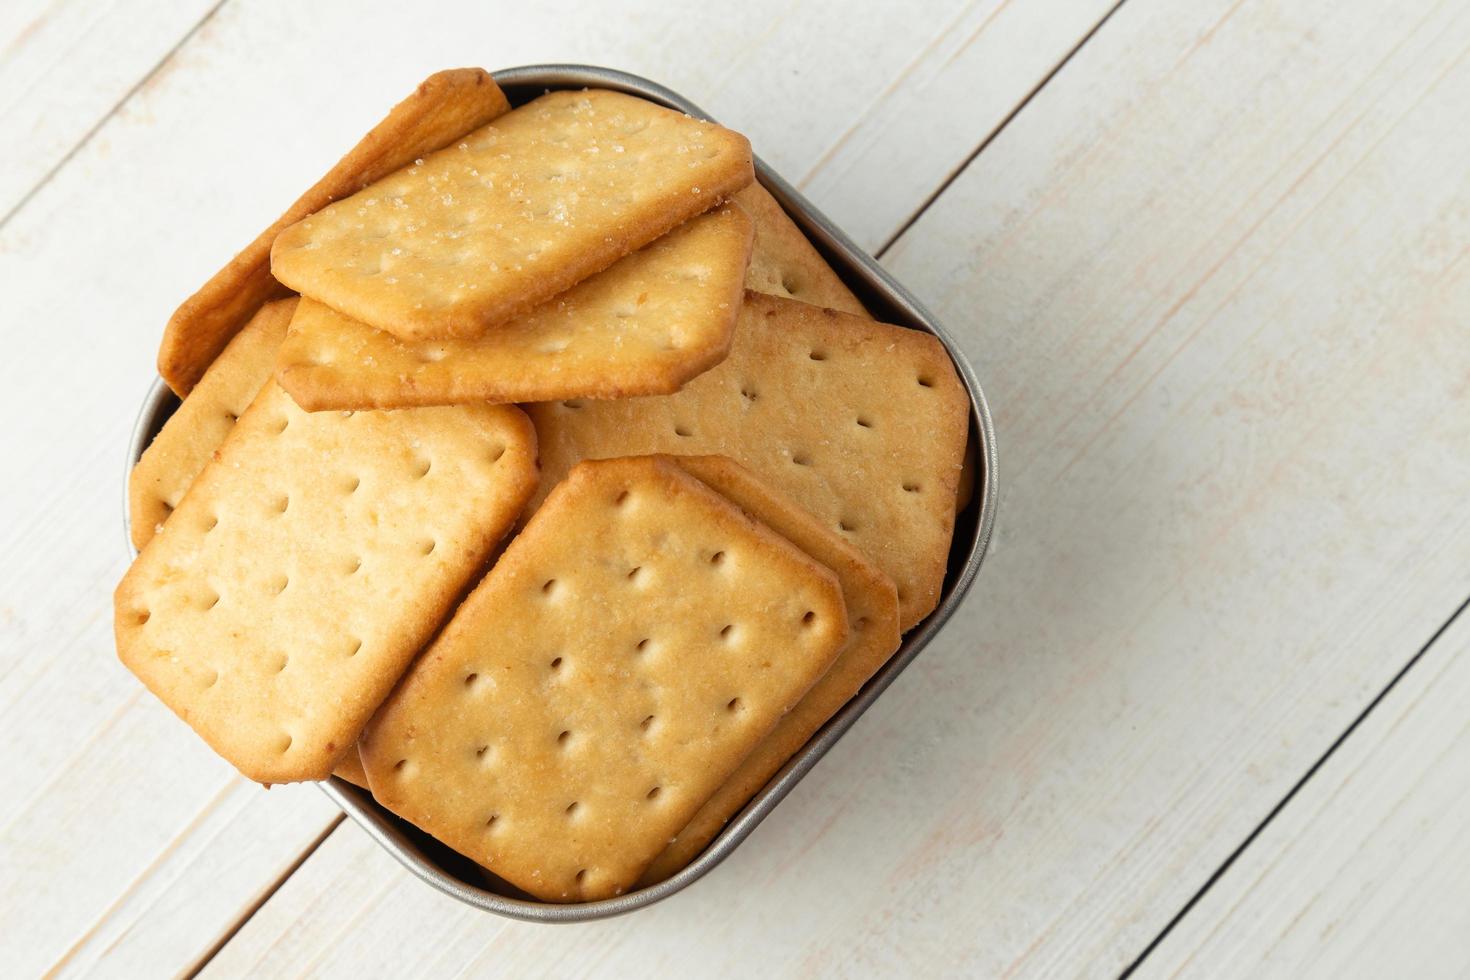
(785, 263)
(860, 423)
(445, 106)
(643, 326)
(517, 212)
(309, 563)
(189, 438)
(632, 645)
(872, 612)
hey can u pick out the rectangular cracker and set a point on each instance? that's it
(307, 565)
(862, 424)
(445, 106)
(349, 767)
(872, 612)
(631, 646)
(643, 326)
(785, 263)
(518, 211)
(191, 435)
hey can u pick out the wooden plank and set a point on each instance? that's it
(64, 66)
(203, 882)
(95, 261)
(1214, 276)
(1363, 872)
(929, 121)
(105, 844)
(307, 927)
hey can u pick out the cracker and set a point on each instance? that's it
(518, 211)
(643, 326)
(631, 646)
(307, 565)
(861, 424)
(785, 263)
(872, 611)
(349, 767)
(191, 435)
(445, 106)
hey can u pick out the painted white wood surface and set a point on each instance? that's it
(1213, 278)
(1215, 272)
(111, 827)
(1209, 278)
(947, 103)
(64, 65)
(1364, 873)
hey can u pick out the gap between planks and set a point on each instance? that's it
(990, 137)
(197, 967)
(117, 106)
(1281, 804)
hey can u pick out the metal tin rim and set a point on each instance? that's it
(857, 264)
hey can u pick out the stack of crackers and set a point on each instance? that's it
(534, 472)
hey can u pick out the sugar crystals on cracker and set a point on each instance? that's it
(517, 212)
(646, 325)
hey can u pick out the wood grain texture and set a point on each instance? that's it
(1363, 874)
(303, 928)
(1211, 277)
(946, 104)
(1235, 484)
(241, 848)
(65, 66)
(161, 194)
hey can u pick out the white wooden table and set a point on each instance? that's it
(1205, 712)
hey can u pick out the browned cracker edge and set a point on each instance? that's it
(444, 107)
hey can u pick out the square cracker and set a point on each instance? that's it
(643, 326)
(307, 565)
(861, 424)
(191, 435)
(445, 106)
(631, 646)
(785, 263)
(518, 211)
(872, 612)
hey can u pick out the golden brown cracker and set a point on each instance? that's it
(349, 767)
(308, 563)
(631, 646)
(515, 213)
(174, 458)
(872, 611)
(445, 106)
(645, 325)
(862, 424)
(785, 263)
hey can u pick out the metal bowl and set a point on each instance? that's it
(460, 878)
